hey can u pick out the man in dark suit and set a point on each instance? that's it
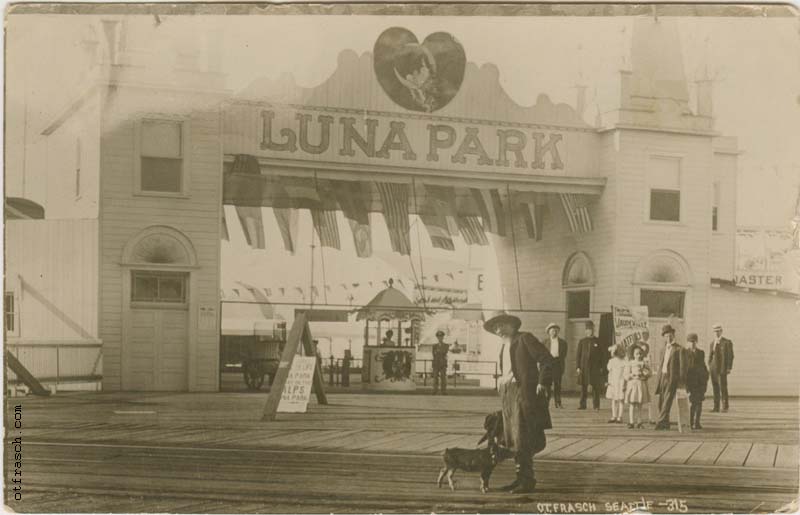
(720, 363)
(591, 360)
(526, 374)
(558, 349)
(671, 376)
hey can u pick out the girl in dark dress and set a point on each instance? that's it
(696, 380)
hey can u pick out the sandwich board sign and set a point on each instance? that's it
(297, 390)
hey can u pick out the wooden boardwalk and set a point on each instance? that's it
(756, 434)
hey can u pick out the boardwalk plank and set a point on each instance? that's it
(553, 446)
(708, 453)
(734, 454)
(442, 444)
(389, 442)
(652, 452)
(761, 455)
(570, 451)
(787, 457)
(607, 446)
(626, 451)
(680, 453)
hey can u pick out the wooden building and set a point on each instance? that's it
(638, 208)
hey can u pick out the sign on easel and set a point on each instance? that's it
(299, 337)
(297, 390)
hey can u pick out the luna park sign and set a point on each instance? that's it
(380, 137)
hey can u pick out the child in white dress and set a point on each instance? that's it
(636, 392)
(616, 384)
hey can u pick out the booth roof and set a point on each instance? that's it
(390, 304)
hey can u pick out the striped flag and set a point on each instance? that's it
(577, 212)
(350, 195)
(327, 228)
(253, 225)
(394, 198)
(438, 209)
(532, 214)
(472, 230)
(491, 208)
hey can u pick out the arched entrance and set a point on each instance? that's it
(156, 299)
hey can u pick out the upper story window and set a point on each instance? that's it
(161, 150)
(10, 312)
(715, 208)
(664, 181)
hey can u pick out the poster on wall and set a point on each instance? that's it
(297, 391)
(763, 260)
(629, 324)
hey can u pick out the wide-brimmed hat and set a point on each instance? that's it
(440, 333)
(552, 325)
(716, 327)
(692, 337)
(589, 324)
(667, 329)
(500, 317)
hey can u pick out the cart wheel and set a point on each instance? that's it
(253, 375)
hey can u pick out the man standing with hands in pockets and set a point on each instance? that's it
(720, 363)
(526, 372)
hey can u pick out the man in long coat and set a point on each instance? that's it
(591, 360)
(720, 363)
(526, 375)
(671, 376)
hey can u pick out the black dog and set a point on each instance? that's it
(472, 460)
(493, 424)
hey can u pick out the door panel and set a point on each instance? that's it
(156, 350)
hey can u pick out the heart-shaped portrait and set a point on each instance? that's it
(419, 76)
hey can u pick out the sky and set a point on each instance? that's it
(754, 62)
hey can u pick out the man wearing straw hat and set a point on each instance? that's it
(526, 372)
(720, 363)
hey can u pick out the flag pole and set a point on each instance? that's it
(419, 246)
(514, 243)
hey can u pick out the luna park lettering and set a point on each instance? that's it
(524, 150)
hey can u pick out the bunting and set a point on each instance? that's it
(491, 208)
(532, 214)
(350, 197)
(577, 212)
(472, 230)
(440, 203)
(326, 227)
(394, 198)
(225, 235)
(252, 225)
(287, 224)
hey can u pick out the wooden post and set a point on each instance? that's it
(318, 383)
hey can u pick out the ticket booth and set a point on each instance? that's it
(389, 362)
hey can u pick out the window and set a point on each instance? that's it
(78, 167)
(665, 189)
(663, 303)
(9, 309)
(159, 287)
(578, 302)
(715, 208)
(161, 151)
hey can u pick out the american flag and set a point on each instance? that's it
(438, 204)
(577, 212)
(327, 228)
(472, 230)
(287, 223)
(394, 198)
(225, 235)
(491, 208)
